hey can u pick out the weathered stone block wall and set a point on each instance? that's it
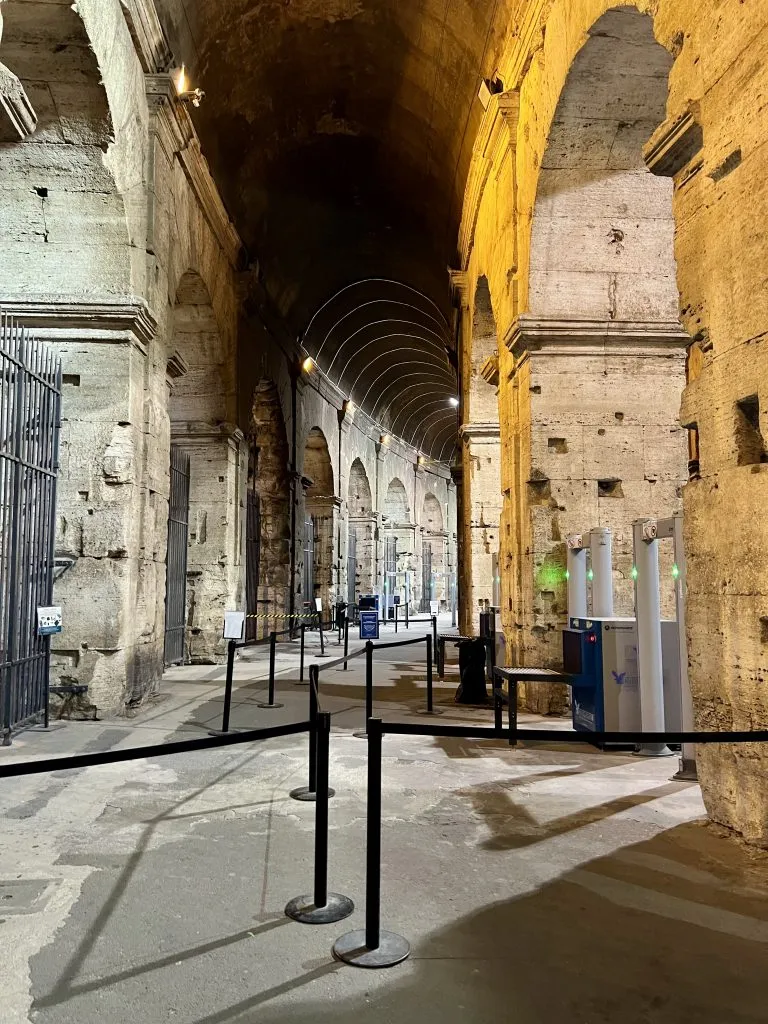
(717, 77)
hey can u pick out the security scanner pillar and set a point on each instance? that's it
(576, 575)
(648, 612)
(601, 554)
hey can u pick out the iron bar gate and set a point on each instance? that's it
(176, 565)
(352, 567)
(427, 579)
(30, 411)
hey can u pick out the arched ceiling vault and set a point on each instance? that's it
(340, 134)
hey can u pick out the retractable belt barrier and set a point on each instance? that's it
(372, 946)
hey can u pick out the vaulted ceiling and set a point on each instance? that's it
(340, 133)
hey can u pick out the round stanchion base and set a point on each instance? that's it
(654, 750)
(426, 711)
(362, 735)
(266, 705)
(351, 949)
(221, 732)
(303, 909)
(307, 795)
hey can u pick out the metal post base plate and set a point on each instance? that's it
(654, 750)
(424, 711)
(360, 735)
(266, 705)
(351, 949)
(220, 732)
(307, 795)
(686, 772)
(303, 909)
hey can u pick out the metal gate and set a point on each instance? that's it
(176, 570)
(308, 581)
(30, 407)
(352, 567)
(253, 567)
(427, 582)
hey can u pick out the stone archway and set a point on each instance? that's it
(320, 523)
(399, 536)
(268, 514)
(599, 356)
(200, 408)
(361, 527)
(433, 554)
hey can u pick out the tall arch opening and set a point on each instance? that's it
(361, 526)
(599, 357)
(434, 541)
(320, 524)
(268, 515)
(481, 463)
(200, 408)
(399, 548)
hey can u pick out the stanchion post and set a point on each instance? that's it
(440, 657)
(512, 711)
(322, 636)
(434, 630)
(429, 675)
(270, 702)
(407, 615)
(498, 720)
(346, 643)
(368, 681)
(372, 947)
(231, 648)
(396, 608)
(321, 907)
(308, 793)
(301, 655)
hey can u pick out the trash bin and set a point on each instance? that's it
(472, 688)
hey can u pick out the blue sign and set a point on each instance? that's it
(369, 625)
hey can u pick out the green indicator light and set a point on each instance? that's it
(634, 572)
(567, 574)
(590, 575)
(675, 572)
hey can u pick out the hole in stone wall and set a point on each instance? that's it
(750, 447)
(694, 470)
(536, 389)
(558, 445)
(764, 629)
(619, 416)
(609, 489)
(539, 491)
(42, 192)
(71, 378)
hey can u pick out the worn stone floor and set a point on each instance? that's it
(539, 884)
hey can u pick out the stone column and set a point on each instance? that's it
(481, 456)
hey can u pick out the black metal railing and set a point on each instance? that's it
(30, 412)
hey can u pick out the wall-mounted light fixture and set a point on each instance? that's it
(384, 438)
(184, 90)
(308, 365)
(422, 461)
(349, 408)
(453, 401)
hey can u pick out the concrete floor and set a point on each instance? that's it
(541, 884)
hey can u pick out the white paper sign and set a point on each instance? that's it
(434, 607)
(234, 625)
(48, 621)
(318, 604)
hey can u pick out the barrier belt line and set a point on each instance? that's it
(560, 736)
(54, 764)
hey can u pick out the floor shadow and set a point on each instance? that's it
(644, 936)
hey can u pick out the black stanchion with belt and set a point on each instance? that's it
(309, 792)
(270, 703)
(231, 648)
(371, 947)
(321, 907)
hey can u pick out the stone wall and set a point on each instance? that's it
(576, 247)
